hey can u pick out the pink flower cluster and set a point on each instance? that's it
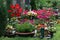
(41, 13)
(25, 12)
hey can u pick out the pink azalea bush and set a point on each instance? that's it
(25, 12)
(41, 13)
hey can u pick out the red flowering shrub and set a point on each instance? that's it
(9, 11)
(16, 10)
(12, 6)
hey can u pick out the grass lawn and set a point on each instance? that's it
(56, 36)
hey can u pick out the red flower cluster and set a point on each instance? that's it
(16, 10)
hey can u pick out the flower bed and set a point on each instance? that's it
(25, 22)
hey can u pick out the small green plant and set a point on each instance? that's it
(25, 27)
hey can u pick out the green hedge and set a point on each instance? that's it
(3, 16)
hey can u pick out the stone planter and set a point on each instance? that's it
(29, 34)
